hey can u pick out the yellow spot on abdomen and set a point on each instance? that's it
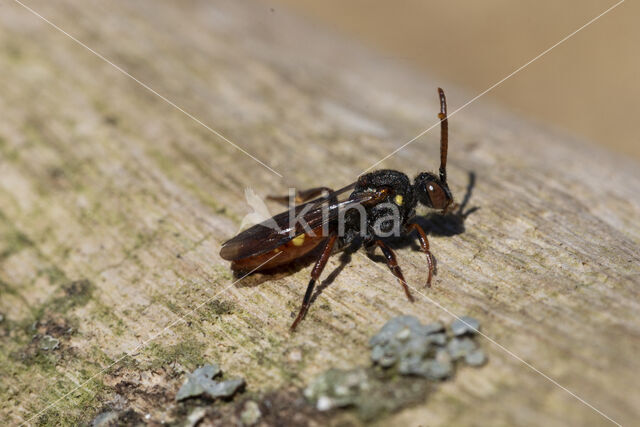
(399, 199)
(298, 241)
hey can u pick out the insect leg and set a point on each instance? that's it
(315, 275)
(301, 196)
(424, 242)
(394, 267)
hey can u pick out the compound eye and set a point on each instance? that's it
(437, 195)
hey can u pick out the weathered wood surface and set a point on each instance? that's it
(113, 206)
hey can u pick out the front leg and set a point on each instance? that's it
(392, 262)
(424, 242)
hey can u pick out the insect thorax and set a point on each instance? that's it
(388, 217)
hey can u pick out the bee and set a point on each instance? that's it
(381, 203)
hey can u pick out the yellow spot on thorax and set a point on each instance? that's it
(399, 199)
(299, 240)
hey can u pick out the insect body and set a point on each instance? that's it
(381, 204)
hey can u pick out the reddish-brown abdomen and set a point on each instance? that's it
(284, 254)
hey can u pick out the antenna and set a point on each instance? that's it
(444, 136)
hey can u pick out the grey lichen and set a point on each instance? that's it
(465, 325)
(105, 419)
(406, 347)
(49, 343)
(250, 413)
(425, 350)
(201, 382)
(195, 417)
(475, 358)
(460, 347)
(371, 392)
(337, 388)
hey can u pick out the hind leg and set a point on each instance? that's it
(315, 275)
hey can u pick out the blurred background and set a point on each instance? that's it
(588, 86)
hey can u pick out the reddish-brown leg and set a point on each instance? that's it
(315, 275)
(424, 242)
(394, 267)
(301, 196)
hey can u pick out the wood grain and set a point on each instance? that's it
(105, 184)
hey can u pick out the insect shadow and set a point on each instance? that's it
(259, 277)
(451, 224)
